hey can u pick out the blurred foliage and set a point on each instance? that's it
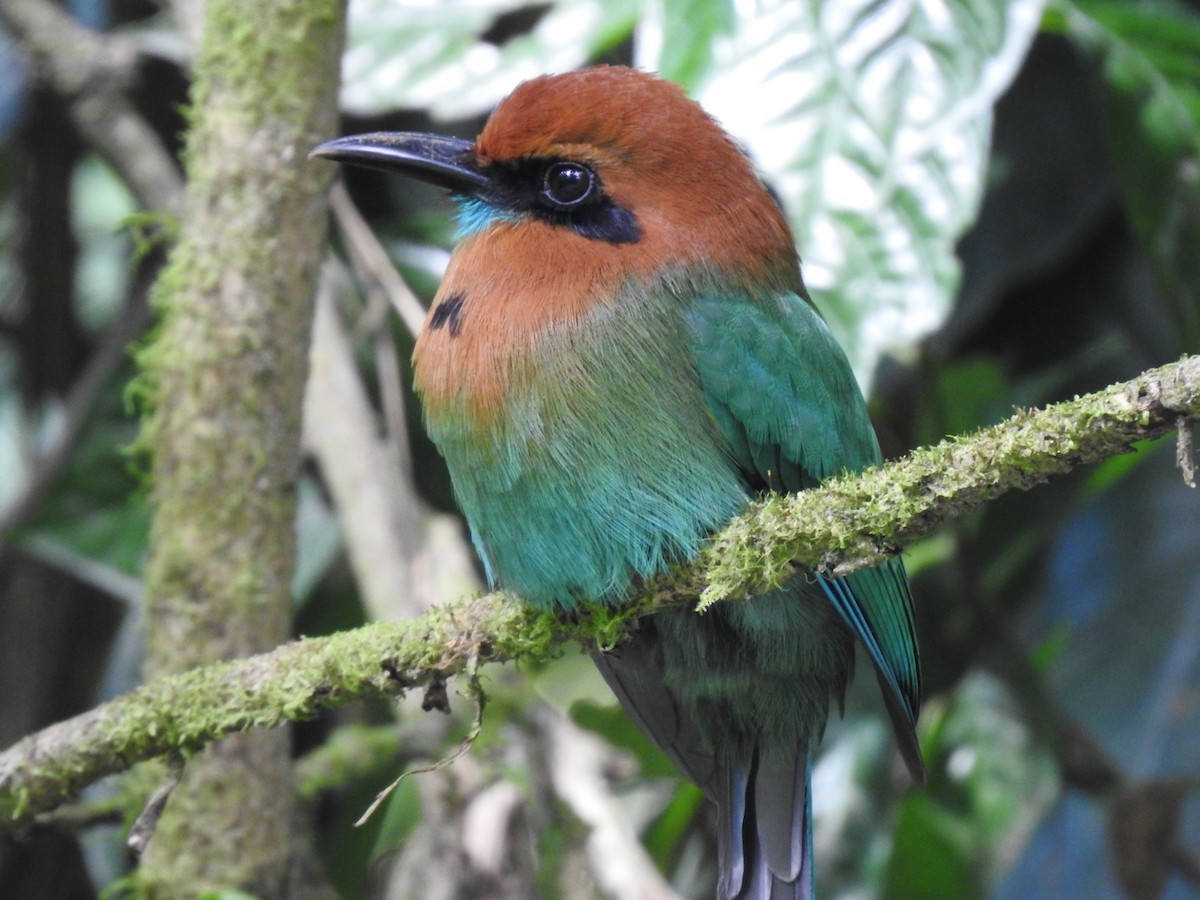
(458, 58)
(1148, 55)
(879, 147)
(988, 225)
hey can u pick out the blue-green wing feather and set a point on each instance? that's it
(784, 396)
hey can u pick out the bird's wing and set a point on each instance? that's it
(634, 671)
(783, 394)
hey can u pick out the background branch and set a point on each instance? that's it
(93, 71)
(847, 523)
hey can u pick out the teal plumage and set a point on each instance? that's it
(597, 473)
(620, 356)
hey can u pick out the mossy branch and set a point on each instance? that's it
(846, 524)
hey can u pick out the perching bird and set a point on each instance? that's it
(620, 355)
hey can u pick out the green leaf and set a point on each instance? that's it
(665, 836)
(968, 393)
(873, 121)
(92, 519)
(318, 540)
(402, 813)
(102, 203)
(925, 832)
(614, 725)
(442, 57)
(1104, 475)
(989, 785)
(680, 35)
(1149, 56)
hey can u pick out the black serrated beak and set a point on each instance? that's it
(447, 162)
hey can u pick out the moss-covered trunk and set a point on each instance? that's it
(225, 376)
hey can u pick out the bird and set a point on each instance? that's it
(620, 356)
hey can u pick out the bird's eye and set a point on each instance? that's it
(568, 184)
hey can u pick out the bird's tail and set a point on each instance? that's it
(764, 832)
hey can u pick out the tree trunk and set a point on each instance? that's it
(224, 379)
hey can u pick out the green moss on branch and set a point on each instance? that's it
(848, 523)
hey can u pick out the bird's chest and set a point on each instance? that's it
(597, 461)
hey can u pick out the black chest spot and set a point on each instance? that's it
(448, 315)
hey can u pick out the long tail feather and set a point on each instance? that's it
(765, 829)
(731, 806)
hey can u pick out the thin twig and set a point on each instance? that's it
(391, 393)
(475, 691)
(1185, 451)
(131, 322)
(368, 255)
(93, 71)
(620, 864)
(144, 827)
(393, 541)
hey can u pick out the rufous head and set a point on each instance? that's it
(615, 160)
